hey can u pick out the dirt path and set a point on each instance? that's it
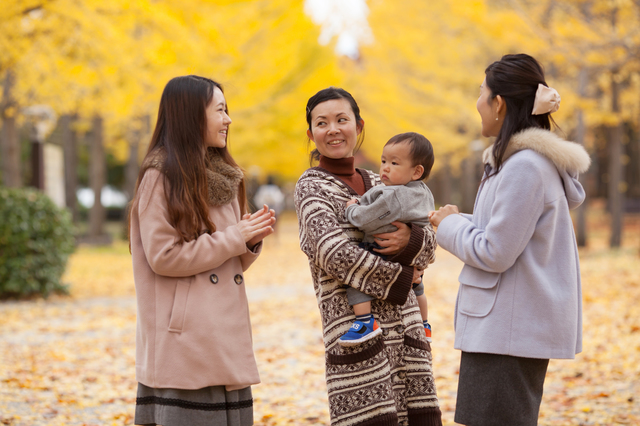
(70, 361)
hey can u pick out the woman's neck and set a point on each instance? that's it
(340, 166)
(344, 169)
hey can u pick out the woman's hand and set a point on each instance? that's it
(254, 227)
(435, 217)
(393, 242)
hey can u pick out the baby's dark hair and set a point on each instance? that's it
(421, 150)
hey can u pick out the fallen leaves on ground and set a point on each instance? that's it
(71, 360)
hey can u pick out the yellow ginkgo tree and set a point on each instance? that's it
(594, 47)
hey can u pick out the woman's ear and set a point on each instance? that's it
(359, 127)
(310, 135)
(501, 107)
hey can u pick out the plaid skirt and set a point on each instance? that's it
(210, 406)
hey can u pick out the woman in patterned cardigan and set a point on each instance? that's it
(387, 380)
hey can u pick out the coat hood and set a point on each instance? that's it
(569, 158)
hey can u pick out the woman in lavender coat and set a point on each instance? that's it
(520, 301)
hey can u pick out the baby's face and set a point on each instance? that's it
(396, 167)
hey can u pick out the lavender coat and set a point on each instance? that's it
(520, 291)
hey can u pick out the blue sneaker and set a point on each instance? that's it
(427, 331)
(360, 332)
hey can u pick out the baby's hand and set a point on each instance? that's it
(352, 202)
(417, 275)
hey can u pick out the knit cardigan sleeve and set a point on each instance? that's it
(326, 244)
(421, 250)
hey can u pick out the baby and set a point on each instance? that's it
(406, 162)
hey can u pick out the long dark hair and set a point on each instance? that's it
(179, 140)
(515, 78)
(329, 94)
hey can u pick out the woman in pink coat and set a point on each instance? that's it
(191, 240)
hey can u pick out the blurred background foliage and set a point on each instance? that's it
(413, 66)
(85, 77)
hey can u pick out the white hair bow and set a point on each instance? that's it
(547, 100)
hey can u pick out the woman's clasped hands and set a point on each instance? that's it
(255, 227)
(435, 217)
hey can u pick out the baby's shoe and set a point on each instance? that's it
(360, 332)
(427, 331)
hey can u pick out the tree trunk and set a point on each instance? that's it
(615, 186)
(11, 158)
(469, 184)
(97, 180)
(37, 159)
(638, 164)
(581, 213)
(133, 167)
(445, 182)
(70, 146)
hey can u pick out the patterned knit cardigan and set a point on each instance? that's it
(389, 379)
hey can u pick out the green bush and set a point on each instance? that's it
(36, 239)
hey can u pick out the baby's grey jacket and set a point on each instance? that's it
(381, 205)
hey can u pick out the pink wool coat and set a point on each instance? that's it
(193, 327)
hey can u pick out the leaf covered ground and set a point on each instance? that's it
(70, 360)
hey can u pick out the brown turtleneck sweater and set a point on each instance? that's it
(343, 169)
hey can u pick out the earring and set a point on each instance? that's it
(496, 118)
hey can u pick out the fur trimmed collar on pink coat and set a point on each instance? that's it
(223, 179)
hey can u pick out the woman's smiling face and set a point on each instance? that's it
(217, 120)
(334, 128)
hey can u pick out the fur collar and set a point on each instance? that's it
(223, 179)
(568, 156)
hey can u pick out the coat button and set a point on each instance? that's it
(385, 331)
(238, 279)
(399, 329)
(213, 278)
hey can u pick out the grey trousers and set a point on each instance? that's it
(356, 296)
